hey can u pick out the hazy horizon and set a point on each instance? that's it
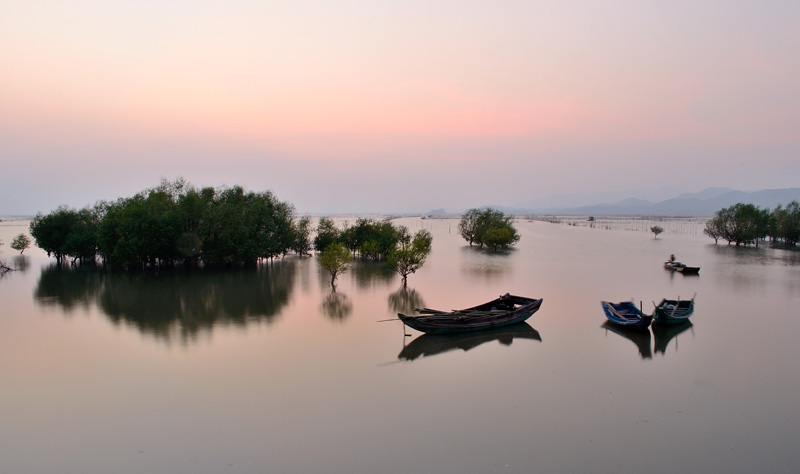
(368, 107)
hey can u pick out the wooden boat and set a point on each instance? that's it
(681, 268)
(503, 311)
(673, 311)
(626, 314)
(432, 344)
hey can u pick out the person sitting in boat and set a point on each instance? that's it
(672, 258)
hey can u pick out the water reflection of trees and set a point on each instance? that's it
(68, 286)
(759, 255)
(20, 262)
(486, 263)
(405, 300)
(337, 306)
(366, 273)
(174, 303)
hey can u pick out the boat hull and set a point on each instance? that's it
(503, 311)
(626, 314)
(681, 268)
(673, 311)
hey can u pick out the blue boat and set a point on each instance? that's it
(626, 314)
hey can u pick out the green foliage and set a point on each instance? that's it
(714, 229)
(656, 230)
(488, 227)
(21, 242)
(174, 222)
(370, 249)
(409, 254)
(67, 232)
(500, 237)
(327, 234)
(301, 236)
(468, 226)
(742, 224)
(336, 259)
(141, 230)
(784, 223)
(243, 227)
(371, 238)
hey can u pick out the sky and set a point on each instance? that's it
(387, 106)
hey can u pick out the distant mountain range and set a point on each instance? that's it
(703, 203)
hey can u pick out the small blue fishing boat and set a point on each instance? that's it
(626, 314)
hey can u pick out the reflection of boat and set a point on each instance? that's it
(638, 335)
(432, 344)
(673, 311)
(664, 333)
(503, 311)
(682, 268)
(626, 314)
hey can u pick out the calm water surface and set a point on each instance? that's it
(269, 371)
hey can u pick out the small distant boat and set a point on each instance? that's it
(682, 268)
(673, 311)
(503, 311)
(626, 314)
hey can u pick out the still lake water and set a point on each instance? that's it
(269, 371)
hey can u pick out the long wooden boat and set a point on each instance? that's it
(505, 310)
(626, 314)
(673, 311)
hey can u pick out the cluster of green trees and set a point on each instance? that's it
(488, 227)
(175, 222)
(374, 240)
(745, 224)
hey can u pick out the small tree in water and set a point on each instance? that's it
(409, 254)
(488, 227)
(21, 242)
(336, 258)
(656, 230)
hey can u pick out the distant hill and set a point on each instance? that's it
(703, 203)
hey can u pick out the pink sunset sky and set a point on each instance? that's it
(395, 106)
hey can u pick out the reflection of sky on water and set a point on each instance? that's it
(273, 354)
